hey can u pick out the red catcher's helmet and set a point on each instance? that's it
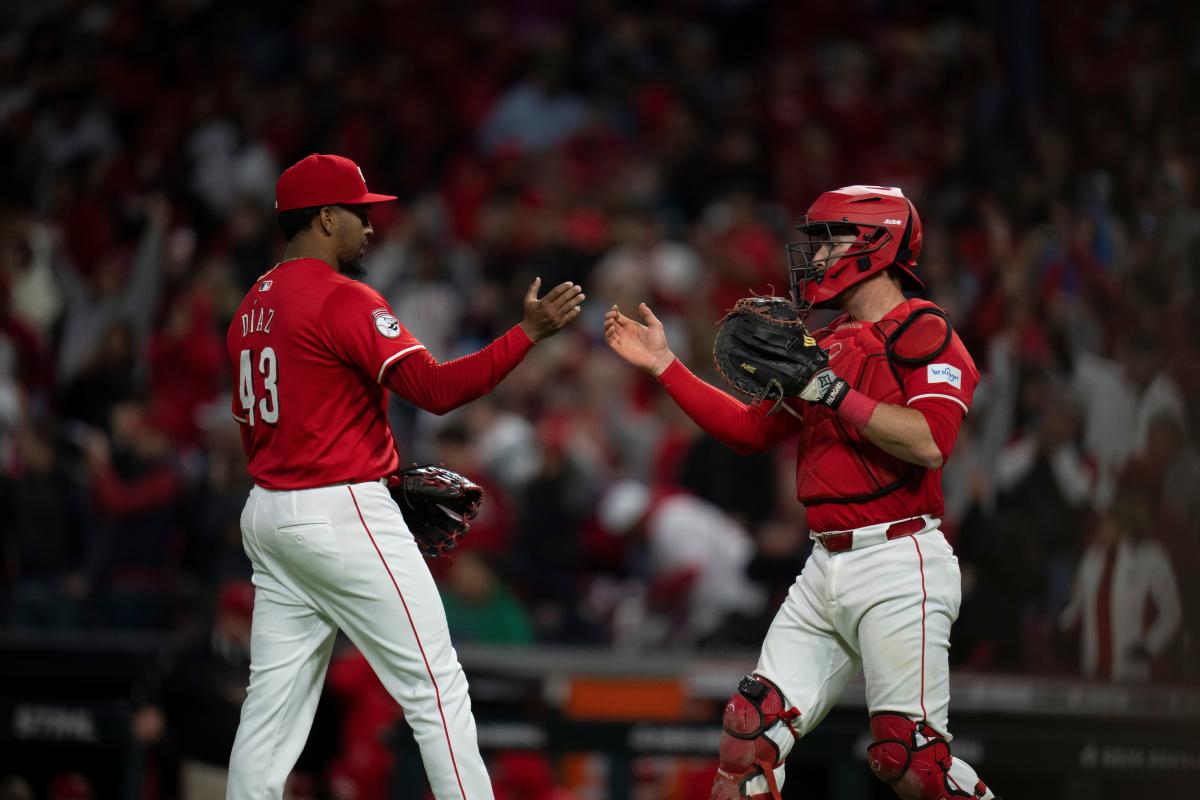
(887, 232)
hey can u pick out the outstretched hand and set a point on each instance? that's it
(547, 316)
(644, 346)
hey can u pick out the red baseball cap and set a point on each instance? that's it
(322, 180)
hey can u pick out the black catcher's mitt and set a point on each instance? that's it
(437, 505)
(763, 349)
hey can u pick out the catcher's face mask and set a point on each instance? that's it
(825, 250)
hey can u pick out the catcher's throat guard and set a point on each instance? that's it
(437, 504)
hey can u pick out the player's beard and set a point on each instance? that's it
(353, 267)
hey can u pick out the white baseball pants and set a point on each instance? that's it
(884, 610)
(342, 557)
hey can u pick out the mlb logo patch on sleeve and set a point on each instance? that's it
(944, 373)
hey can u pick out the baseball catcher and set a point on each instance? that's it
(438, 506)
(874, 401)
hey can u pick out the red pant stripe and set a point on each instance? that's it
(436, 691)
(924, 597)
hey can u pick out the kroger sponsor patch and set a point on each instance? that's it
(944, 373)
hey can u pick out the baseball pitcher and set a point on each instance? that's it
(314, 352)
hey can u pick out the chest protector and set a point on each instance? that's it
(837, 464)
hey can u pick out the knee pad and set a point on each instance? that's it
(915, 760)
(746, 750)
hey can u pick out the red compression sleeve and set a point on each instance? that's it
(744, 429)
(439, 388)
(944, 419)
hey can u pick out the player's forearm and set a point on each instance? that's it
(738, 426)
(438, 388)
(904, 433)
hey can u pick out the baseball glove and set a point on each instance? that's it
(437, 505)
(763, 349)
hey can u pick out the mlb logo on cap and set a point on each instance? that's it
(324, 180)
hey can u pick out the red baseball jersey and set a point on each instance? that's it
(842, 478)
(309, 348)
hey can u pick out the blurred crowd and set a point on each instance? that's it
(649, 153)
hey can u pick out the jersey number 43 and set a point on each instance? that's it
(267, 406)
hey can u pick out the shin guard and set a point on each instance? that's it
(746, 750)
(915, 760)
